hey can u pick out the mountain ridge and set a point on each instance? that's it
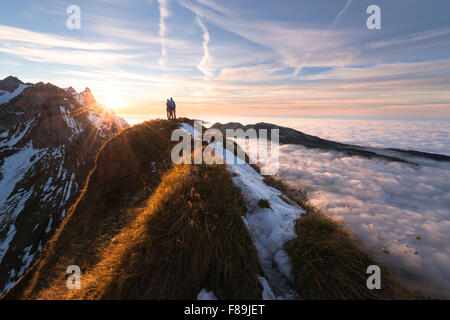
(48, 142)
(292, 136)
(144, 228)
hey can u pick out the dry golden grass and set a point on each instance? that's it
(330, 263)
(189, 236)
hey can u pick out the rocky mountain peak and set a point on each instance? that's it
(49, 138)
(88, 97)
(10, 83)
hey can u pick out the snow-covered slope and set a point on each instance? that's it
(48, 144)
(6, 96)
(11, 87)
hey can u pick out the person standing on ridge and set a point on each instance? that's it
(174, 107)
(169, 109)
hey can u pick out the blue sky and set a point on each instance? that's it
(247, 57)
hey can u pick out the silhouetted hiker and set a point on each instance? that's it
(174, 107)
(169, 109)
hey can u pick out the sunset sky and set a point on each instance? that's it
(238, 57)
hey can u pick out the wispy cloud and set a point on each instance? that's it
(164, 13)
(251, 74)
(291, 44)
(67, 57)
(49, 48)
(8, 33)
(416, 37)
(216, 7)
(138, 36)
(205, 64)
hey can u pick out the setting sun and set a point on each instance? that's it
(114, 102)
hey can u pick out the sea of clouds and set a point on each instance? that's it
(400, 211)
(421, 135)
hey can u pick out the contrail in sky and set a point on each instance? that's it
(164, 13)
(299, 68)
(205, 64)
(338, 16)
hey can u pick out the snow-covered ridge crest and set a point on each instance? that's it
(270, 228)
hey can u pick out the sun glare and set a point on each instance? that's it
(114, 102)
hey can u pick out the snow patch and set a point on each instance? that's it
(71, 123)
(6, 97)
(98, 122)
(18, 135)
(69, 189)
(267, 290)
(10, 284)
(270, 228)
(49, 226)
(206, 295)
(4, 245)
(13, 170)
(27, 258)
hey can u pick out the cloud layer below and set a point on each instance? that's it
(421, 135)
(387, 205)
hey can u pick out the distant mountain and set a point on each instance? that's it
(291, 136)
(10, 84)
(48, 141)
(10, 87)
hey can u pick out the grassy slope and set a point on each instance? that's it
(182, 240)
(193, 244)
